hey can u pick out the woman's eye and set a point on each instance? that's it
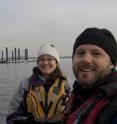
(80, 53)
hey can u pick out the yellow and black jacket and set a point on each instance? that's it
(40, 98)
(45, 102)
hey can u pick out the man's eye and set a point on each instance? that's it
(80, 53)
(96, 53)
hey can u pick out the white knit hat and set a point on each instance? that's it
(48, 49)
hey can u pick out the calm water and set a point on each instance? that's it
(10, 76)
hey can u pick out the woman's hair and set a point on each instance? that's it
(55, 74)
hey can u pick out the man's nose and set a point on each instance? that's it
(87, 57)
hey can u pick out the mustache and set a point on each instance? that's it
(86, 66)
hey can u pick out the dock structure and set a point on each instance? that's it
(6, 54)
(15, 57)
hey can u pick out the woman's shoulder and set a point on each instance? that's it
(24, 83)
(68, 84)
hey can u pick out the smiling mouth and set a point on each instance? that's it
(86, 70)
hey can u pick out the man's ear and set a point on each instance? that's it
(112, 66)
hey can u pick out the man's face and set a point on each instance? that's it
(90, 64)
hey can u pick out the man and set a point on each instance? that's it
(94, 96)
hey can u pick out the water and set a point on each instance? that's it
(10, 76)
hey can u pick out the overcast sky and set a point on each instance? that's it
(30, 23)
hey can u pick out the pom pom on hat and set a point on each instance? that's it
(48, 49)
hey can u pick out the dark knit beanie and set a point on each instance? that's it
(100, 37)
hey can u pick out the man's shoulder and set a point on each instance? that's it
(109, 115)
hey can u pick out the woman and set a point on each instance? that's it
(43, 95)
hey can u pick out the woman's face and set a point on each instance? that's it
(47, 64)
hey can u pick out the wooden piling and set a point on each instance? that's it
(26, 54)
(6, 54)
(2, 56)
(12, 56)
(15, 54)
(18, 54)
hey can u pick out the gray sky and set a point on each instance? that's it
(30, 23)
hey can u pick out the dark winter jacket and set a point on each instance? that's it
(94, 105)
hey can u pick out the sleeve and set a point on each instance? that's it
(17, 105)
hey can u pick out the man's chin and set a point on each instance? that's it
(86, 83)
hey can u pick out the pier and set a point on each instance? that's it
(15, 56)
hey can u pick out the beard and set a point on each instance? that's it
(90, 76)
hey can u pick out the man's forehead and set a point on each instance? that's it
(89, 46)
